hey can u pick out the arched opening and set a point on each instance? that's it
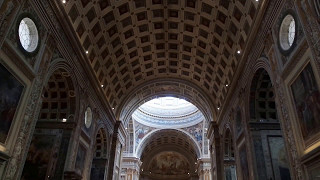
(169, 154)
(229, 157)
(268, 144)
(100, 161)
(163, 88)
(166, 127)
(49, 146)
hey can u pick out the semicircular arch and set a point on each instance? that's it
(60, 87)
(165, 87)
(168, 136)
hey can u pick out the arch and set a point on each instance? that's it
(250, 71)
(260, 63)
(263, 125)
(165, 145)
(51, 138)
(101, 144)
(101, 128)
(228, 148)
(70, 79)
(262, 97)
(145, 140)
(164, 87)
(228, 145)
(100, 158)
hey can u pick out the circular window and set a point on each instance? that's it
(28, 35)
(88, 117)
(287, 32)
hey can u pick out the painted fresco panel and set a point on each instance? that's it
(196, 132)
(10, 93)
(307, 102)
(39, 157)
(140, 132)
(169, 163)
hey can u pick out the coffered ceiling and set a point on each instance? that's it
(130, 42)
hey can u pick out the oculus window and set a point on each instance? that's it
(28, 35)
(88, 117)
(287, 33)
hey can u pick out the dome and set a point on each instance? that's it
(167, 112)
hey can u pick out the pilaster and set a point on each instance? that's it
(117, 146)
(215, 151)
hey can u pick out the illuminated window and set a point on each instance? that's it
(88, 117)
(28, 35)
(287, 32)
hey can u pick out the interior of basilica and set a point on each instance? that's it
(159, 89)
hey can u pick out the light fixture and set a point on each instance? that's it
(227, 85)
(218, 108)
(102, 85)
(87, 52)
(63, 1)
(64, 120)
(238, 51)
(113, 108)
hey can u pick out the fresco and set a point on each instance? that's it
(140, 132)
(10, 93)
(169, 163)
(196, 132)
(307, 100)
(39, 157)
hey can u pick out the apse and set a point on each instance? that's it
(168, 135)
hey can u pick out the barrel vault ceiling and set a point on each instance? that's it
(130, 42)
